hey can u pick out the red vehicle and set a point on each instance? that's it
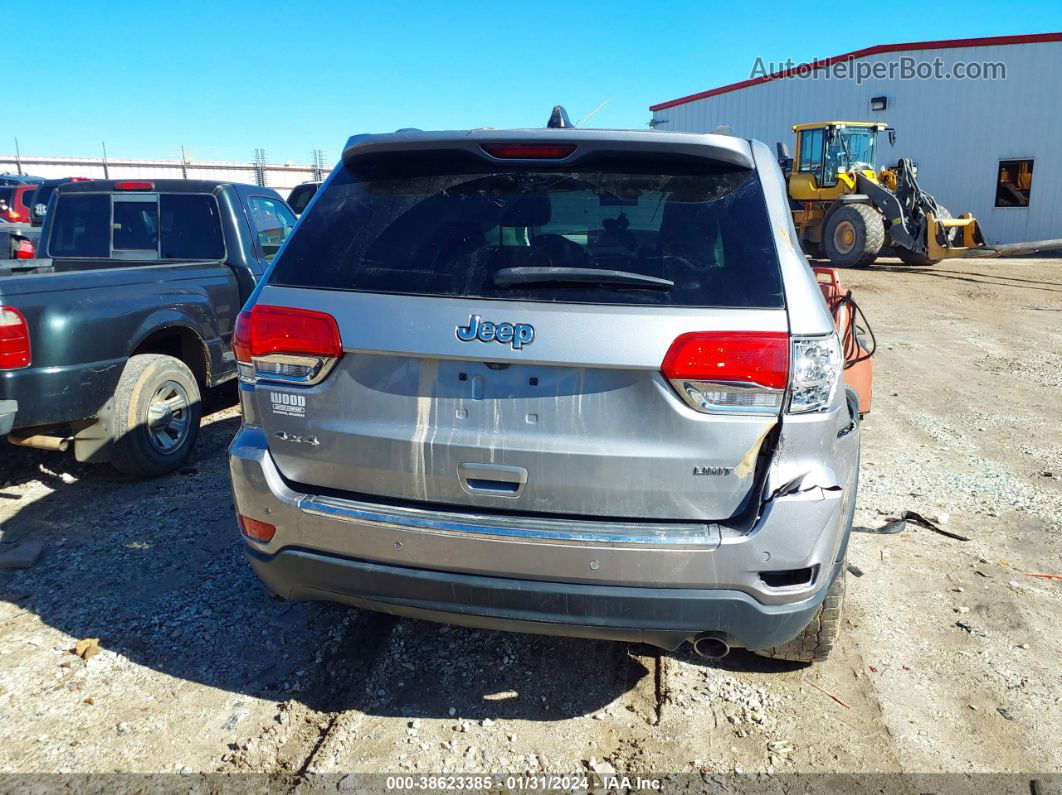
(15, 203)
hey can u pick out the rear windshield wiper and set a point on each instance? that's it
(508, 277)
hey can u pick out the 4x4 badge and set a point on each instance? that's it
(516, 334)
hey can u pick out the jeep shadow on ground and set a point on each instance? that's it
(154, 568)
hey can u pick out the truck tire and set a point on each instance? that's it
(157, 409)
(853, 236)
(816, 641)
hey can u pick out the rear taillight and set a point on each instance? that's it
(731, 372)
(295, 346)
(256, 530)
(14, 339)
(749, 372)
(24, 250)
(817, 365)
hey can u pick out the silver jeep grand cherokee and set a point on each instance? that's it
(577, 382)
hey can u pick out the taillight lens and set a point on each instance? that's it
(748, 372)
(276, 343)
(24, 250)
(256, 530)
(14, 339)
(817, 365)
(738, 372)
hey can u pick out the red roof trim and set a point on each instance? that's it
(991, 41)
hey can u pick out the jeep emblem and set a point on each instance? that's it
(516, 334)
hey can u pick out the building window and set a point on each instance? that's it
(1014, 183)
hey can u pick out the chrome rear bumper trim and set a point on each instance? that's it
(555, 531)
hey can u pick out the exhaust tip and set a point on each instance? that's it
(711, 645)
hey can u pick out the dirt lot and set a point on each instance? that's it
(949, 662)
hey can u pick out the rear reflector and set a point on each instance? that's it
(256, 530)
(754, 358)
(134, 186)
(529, 151)
(14, 339)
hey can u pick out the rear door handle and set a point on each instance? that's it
(492, 479)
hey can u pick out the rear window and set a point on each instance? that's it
(184, 226)
(7, 195)
(300, 197)
(81, 225)
(702, 227)
(40, 203)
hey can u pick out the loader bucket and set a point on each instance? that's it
(972, 240)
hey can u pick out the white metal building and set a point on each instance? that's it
(975, 140)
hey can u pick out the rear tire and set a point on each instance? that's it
(853, 236)
(816, 642)
(157, 410)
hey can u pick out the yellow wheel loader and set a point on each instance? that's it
(846, 211)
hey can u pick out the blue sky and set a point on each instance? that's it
(224, 77)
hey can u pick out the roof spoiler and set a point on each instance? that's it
(725, 149)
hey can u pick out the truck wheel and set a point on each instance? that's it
(853, 236)
(157, 410)
(816, 641)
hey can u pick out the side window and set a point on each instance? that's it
(81, 226)
(136, 227)
(301, 196)
(1014, 183)
(811, 150)
(272, 222)
(191, 227)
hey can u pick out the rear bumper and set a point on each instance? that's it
(8, 409)
(551, 576)
(54, 395)
(664, 617)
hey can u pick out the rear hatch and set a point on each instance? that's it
(504, 323)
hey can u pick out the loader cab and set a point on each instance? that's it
(827, 156)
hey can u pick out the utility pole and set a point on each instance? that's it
(184, 164)
(318, 165)
(106, 173)
(259, 167)
(18, 158)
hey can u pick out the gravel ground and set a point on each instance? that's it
(949, 661)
